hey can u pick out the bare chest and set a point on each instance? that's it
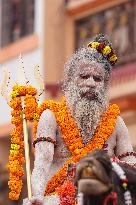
(62, 151)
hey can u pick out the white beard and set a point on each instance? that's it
(85, 111)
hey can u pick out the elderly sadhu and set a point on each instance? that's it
(80, 123)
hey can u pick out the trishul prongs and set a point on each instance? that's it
(39, 80)
(5, 84)
(21, 76)
(21, 80)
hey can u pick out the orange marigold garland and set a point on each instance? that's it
(50, 104)
(23, 90)
(30, 107)
(67, 193)
(72, 138)
(16, 158)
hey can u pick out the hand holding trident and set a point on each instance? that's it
(23, 101)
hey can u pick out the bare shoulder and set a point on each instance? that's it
(47, 124)
(123, 140)
(48, 114)
(47, 118)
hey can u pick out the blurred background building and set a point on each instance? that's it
(47, 32)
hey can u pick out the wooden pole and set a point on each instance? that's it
(27, 158)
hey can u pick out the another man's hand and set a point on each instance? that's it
(34, 201)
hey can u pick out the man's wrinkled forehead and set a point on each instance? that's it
(92, 67)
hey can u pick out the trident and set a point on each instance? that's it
(22, 81)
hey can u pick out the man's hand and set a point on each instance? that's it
(34, 201)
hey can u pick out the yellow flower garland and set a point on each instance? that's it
(104, 50)
(72, 137)
(16, 158)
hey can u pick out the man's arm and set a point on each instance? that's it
(44, 152)
(124, 149)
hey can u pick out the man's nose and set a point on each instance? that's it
(90, 82)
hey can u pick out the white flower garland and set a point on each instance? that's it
(119, 171)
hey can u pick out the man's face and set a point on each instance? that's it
(90, 80)
(86, 96)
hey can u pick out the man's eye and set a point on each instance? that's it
(84, 76)
(97, 78)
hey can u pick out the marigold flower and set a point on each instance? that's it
(113, 58)
(106, 50)
(30, 107)
(94, 44)
(14, 152)
(13, 195)
(15, 146)
(14, 93)
(67, 193)
(16, 103)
